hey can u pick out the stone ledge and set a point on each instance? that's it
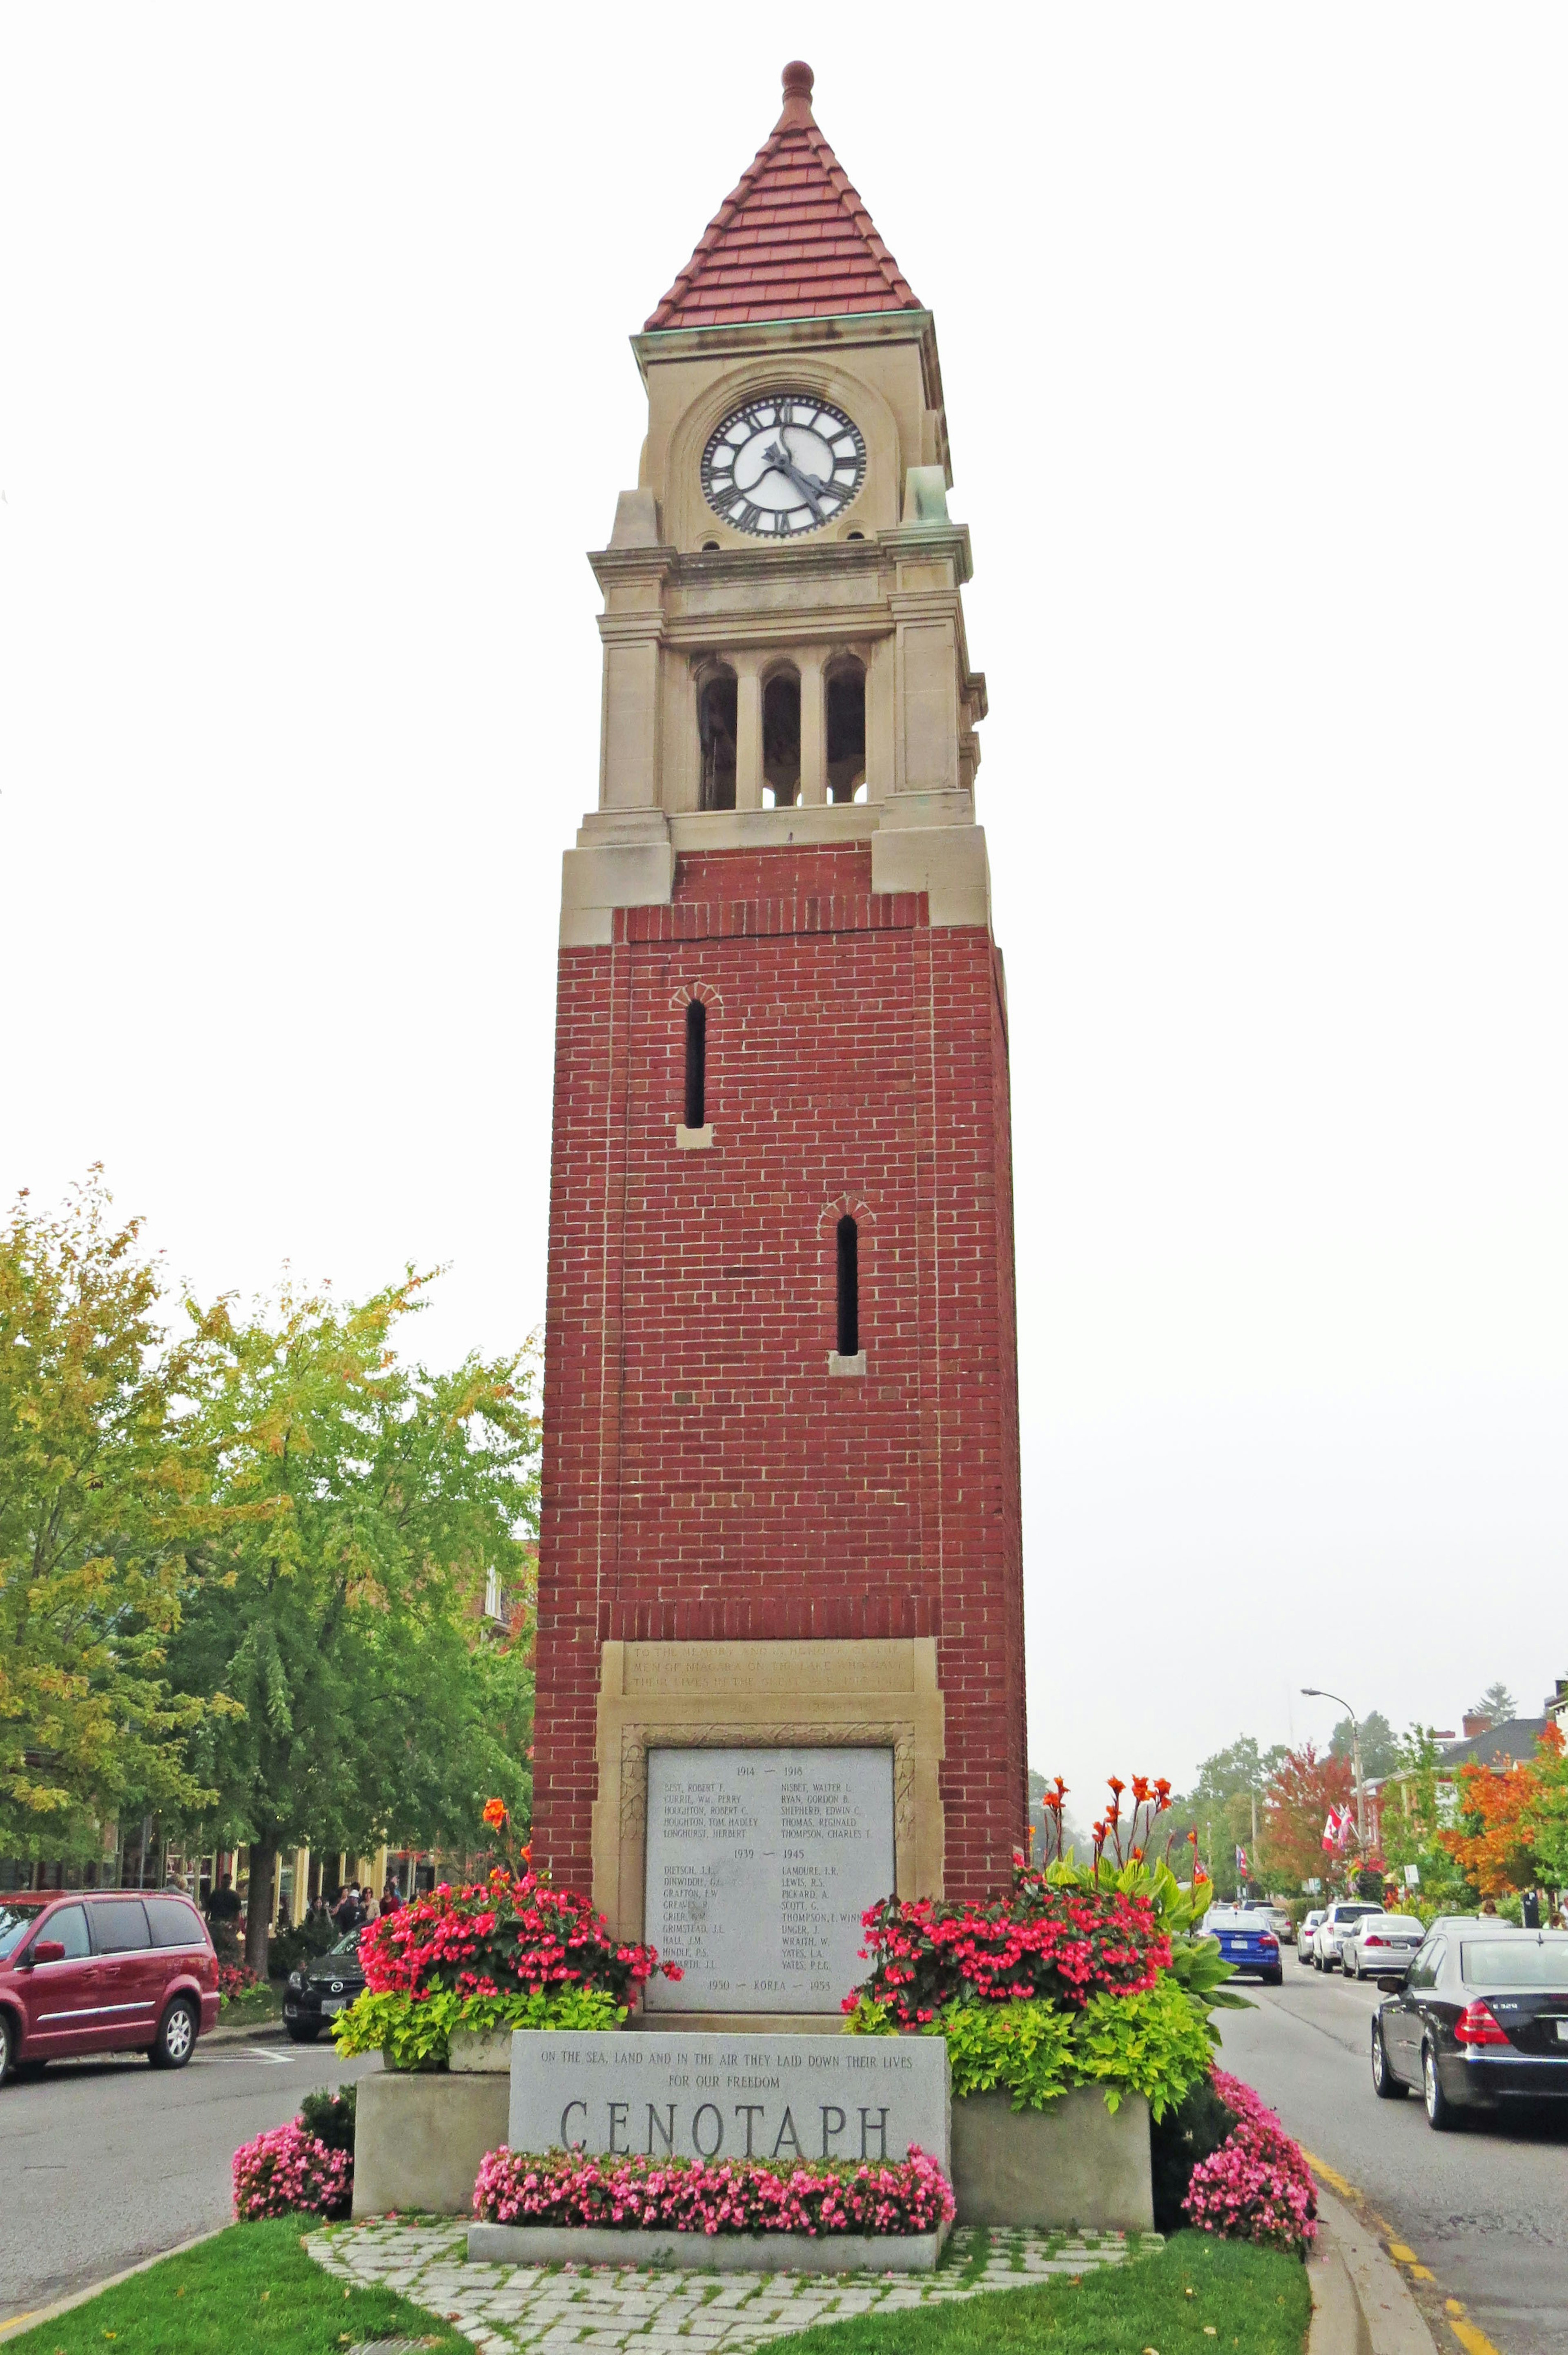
(724, 2253)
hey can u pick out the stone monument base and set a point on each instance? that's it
(1072, 2165)
(724, 2253)
(420, 2136)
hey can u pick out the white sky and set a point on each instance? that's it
(314, 390)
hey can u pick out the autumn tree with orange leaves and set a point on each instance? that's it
(1296, 1804)
(1509, 1834)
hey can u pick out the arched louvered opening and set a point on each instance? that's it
(849, 1287)
(846, 730)
(782, 739)
(696, 1064)
(717, 726)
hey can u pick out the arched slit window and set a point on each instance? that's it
(846, 731)
(781, 738)
(848, 1288)
(717, 720)
(696, 1064)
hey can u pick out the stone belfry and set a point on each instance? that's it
(781, 1475)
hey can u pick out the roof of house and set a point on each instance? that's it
(792, 241)
(1512, 1743)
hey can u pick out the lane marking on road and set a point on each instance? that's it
(244, 2060)
(20, 2321)
(1473, 2342)
(1401, 2255)
(1331, 2176)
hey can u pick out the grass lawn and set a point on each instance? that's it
(253, 2288)
(1254, 2299)
(257, 2003)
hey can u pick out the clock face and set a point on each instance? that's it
(786, 463)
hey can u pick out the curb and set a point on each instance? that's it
(1361, 2303)
(260, 2031)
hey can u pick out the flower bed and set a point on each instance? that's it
(291, 2171)
(507, 1952)
(235, 1979)
(895, 2198)
(1257, 2186)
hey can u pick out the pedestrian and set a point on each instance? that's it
(1489, 1908)
(1529, 1910)
(390, 1899)
(223, 1919)
(345, 1912)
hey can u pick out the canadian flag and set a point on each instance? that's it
(1334, 1831)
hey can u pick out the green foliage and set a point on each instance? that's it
(1189, 2132)
(330, 2117)
(1379, 1745)
(255, 2287)
(1497, 1703)
(1410, 1819)
(1155, 2044)
(102, 1495)
(366, 1499)
(416, 2032)
(1197, 2294)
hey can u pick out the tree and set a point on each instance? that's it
(1497, 1705)
(1220, 1808)
(1379, 1745)
(1504, 1812)
(103, 1496)
(1301, 1791)
(1411, 1818)
(366, 1499)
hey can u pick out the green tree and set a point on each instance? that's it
(102, 1496)
(1379, 1745)
(1496, 1704)
(1411, 1818)
(1220, 1808)
(366, 1499)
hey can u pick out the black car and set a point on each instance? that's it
(1481, 2019)
(315, 1995)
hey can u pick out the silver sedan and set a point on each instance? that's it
(1380, 1946)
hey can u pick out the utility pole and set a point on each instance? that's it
(1311, 1692)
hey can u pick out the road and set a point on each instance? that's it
(1486, 2208)
(108, 2161)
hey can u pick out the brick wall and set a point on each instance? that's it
(704, 1475)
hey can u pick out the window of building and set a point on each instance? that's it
(782, 739)
(717, 724)
(848, 1288)
(696, 1063)
(846, 731)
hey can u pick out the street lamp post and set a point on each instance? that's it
(1312, 1693)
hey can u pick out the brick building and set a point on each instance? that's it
(780, 1397)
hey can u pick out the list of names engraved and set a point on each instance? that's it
(760, 1864)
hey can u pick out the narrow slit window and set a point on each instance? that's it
(718, 725)
(696, 1064)
(846, 732)
(848, 1288)
(781, 738)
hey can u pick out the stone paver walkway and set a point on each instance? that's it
(642, 2310)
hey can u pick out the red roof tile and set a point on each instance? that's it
(792, 241)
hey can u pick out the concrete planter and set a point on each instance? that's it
(1073, 2164)
(484, 2054)
(724, 2253)
(420, 2136)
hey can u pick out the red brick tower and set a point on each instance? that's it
(781, 1388)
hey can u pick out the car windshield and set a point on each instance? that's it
(349, 1945)
(1514, 1962)
(15, 1921)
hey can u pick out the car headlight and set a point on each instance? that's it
(296, 1982)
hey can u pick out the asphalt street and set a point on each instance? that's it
(1485, 2207)
(108, 2161)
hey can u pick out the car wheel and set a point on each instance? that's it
(1354, 1968)
(1273, 1978)
(176, 2036)
(303, 2031)
(1317, 1960)
(1385, 2085)
(1441, 2115)
(7, 2045)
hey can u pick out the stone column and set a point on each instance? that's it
(748, 732)
(813, 732)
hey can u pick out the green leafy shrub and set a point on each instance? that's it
(330, 2117)
(415, 2031)
(1185, 2134)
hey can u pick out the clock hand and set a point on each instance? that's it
(778, 456)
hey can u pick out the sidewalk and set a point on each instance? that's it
(1361, 2303)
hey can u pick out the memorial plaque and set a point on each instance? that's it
(729, 2096)
(760, 1864)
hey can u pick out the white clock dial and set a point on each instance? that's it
(783, 463)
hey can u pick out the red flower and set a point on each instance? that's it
(496, 1813)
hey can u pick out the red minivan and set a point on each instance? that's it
(110, 1970)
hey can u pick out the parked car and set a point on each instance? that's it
(1246, 1942)
(1325, 1937)
(1304, 1943)
(110, 1971)
(1280, 1922)
(320, 1989)
(1481, 2020)
(1381, 1945)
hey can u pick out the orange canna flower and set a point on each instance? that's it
(496, 1813)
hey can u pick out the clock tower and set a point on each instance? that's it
(781, 1477)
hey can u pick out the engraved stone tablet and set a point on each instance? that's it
(760, 1864)
(730, 2096)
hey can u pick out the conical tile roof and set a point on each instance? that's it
(794, 241)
